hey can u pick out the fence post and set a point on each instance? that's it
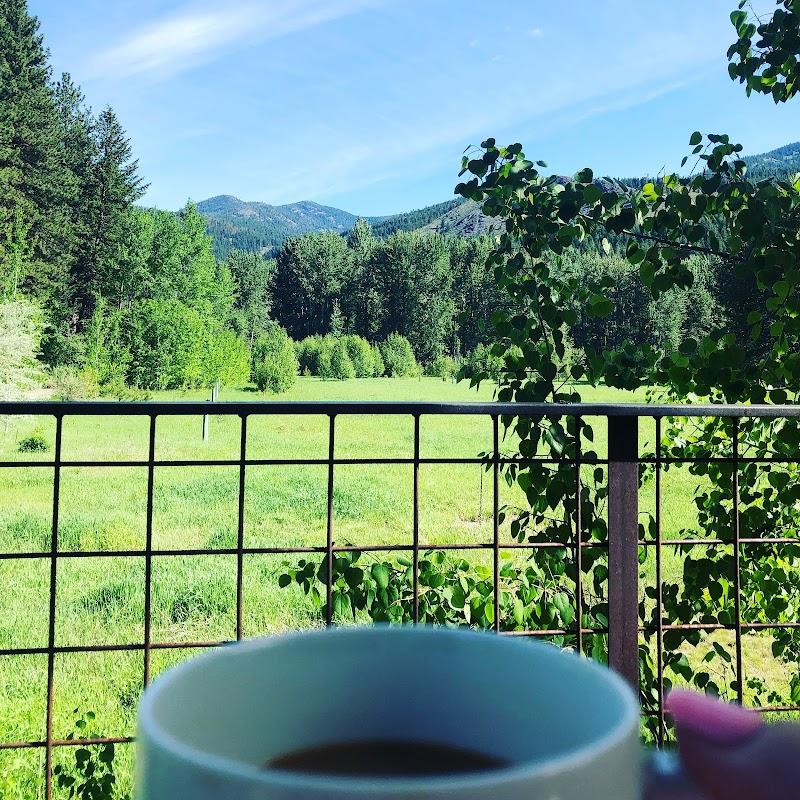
(623, 547)
(214, 396)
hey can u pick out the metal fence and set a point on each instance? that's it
(623, 463)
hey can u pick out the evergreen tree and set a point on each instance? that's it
(76, 131)
(337, 325)
(35, 235)
(359, 238)
(114, 186)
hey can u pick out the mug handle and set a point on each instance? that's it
(664, 778)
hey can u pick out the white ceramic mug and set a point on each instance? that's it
(568, 727)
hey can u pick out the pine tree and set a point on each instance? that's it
(360, 238)
(337, 321)
(34, 182)
(76, 131)
(114, 186)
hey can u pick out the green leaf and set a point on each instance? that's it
(107, 753)
(695, 138)
(519, 611)
(341, 604)
(284, 580)
(565, 611)
(354, 576)
(591, 194)
(567, 233)
(599, 306)
(380, 574)
(683, 668)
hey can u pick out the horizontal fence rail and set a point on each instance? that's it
(622, 546)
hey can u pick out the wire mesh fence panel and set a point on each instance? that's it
(123, 558)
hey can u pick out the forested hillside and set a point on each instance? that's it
(778, 163)
(259, 227)
(413, 220)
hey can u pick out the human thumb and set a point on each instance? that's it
(730, 753)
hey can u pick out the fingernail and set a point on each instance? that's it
(709, 718)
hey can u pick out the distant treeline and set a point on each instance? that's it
(438, 292)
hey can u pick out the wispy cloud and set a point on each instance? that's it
(567, 104)
(536, 33)
(199, 33)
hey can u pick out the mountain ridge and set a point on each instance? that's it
(253, 225)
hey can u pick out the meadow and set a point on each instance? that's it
(101, 600)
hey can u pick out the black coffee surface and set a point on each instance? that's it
(387, 759)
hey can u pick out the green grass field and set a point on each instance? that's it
(101, 600)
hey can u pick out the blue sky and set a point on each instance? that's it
(368, 104)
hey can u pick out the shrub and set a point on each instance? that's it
(398, 357)
(20, 333)
(105, 358)
(442, 367)
(324, 368)
(69, 383)
(360, 354)
(456, 591)
(308, 352)
(35, 443)
(171, 346)
(482, 362)
(274, 361)
(341, 367)
(378, 368)
(226, 358)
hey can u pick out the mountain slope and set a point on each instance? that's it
(778, 163)
(413, 220)
(234, 223)
(464, 219)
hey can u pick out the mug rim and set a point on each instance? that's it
(543, 767)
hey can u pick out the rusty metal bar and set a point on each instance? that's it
(51, 631)
(737, 566)
(298, 462)
(496, 517)
(240, 529)
(659, 596)
(415, 534)
(390, 407)
(329, 527)
(148, 557)
(232, 551)
(277, 462)
(623, 544)
(578, 541)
